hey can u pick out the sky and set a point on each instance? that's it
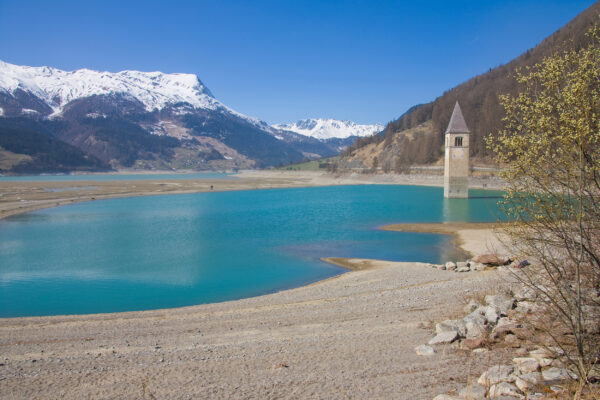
(282, 61)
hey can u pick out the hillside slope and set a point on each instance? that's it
(478, 99)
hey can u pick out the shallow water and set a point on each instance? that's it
(166, 251)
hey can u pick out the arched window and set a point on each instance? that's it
(458, 141)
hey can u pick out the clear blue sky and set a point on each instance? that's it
(281, 61)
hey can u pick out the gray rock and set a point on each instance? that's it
(542, 353)
(472, 392)
(424, 350)
(554, 374)
(497, 374)
(504, 321)
(457, 325)
(444, 337)
(477, 267)
(527, 382)
(450, 266)
(502, 303)
(462, 264)
(504, 389)
(502, 330)
(477, 315)
(526, 364)
(512, 341)
(463, 269)
(439, 266)
(526, 307)
(522, 293)
(475, 329)
(492, 314)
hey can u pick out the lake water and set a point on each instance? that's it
(175, 250)
(113, 177)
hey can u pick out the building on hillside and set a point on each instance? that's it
(456, 164)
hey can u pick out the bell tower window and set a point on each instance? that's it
(458, 141)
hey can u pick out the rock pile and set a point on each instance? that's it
(479, 263)
(496, 322)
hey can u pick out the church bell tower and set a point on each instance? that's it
(456, 164)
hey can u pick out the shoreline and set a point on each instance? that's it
(19, 197)
(352, 334)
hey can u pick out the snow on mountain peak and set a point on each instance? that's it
(321, 128)
(153, 89)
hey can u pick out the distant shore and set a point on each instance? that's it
(18, 197)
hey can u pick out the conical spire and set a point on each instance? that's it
(457, 122)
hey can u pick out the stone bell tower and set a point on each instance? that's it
(456, 165)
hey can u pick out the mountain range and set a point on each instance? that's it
(53, 120)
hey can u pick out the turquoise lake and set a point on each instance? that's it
(176, 250)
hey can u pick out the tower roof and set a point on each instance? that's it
(457, 122)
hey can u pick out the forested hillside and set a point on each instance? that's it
(478, 97)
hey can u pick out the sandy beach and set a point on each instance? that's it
(352, 336)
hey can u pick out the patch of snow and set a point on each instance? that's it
(29, 111)
(278, 137)
(1, 111)
(321, 128)
(95, 115)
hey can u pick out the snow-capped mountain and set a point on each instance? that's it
(63, 120)
(154, 90)
(320, 128)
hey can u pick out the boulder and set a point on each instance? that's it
(521, 293)
(526, 364)
(444, 337)
(463, 269)
(457, 325)
(477, 315)
(475, 329)
(450, 266)
(541, 352)
(504, 389)
(473, 343)
(504, 321)
(554, 374)
(512, 341)
(477, 266)
(500, 331)
(497, 374)
(492, 314)
(502, 303)
(462, 264)
(424, 350)
(472, 392)
(528, 382)
(526, 307)
(490, 259)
